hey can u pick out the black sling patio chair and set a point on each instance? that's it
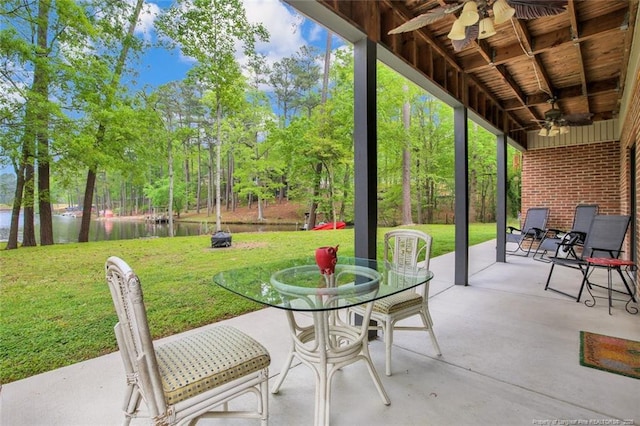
(533, 230)
(582, 218)
(604, 240)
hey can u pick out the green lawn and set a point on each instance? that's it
(56, 308)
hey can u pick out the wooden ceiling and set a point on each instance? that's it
(579, 56)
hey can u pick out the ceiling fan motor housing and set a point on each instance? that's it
(553, 114)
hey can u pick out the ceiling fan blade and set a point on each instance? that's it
(425, 19)
(420, 21)
(532, 9)
(579, 119)
(471, 33)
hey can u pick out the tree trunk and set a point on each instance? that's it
(210, 187)
(170, 155)
(44, 197)
(345, 194)
(230, 185)
(260, 211)
(406, 165)
(28, 216)
(123, 199)
(332, 197)
(323, 99)
(419, 202)
(87, 203)
(35, 115)
(199, 183)
(41, 87)
(218, 165)
(12, 243)
(420, 189)
(108, 203)
(227, 187)
(187, 177)
(316, 194)
(431, 200)
(281, 190)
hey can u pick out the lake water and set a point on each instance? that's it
(66, 229)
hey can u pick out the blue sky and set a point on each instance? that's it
(288, 31)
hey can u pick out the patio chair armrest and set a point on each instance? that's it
(576, 236)
(555, 232)
(608, 250)
(538, 232)
(511, 229)
(567, 242)
(551, 233)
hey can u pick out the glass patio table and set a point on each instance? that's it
(331, 341)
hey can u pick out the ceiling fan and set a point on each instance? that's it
(556, 123)
(474, 18)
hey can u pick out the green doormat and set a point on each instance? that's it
(613, 354)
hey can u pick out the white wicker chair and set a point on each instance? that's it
(187, 378)
(412, 249)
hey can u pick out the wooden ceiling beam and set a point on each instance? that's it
(611, 22)
(525, 37)
(405, 15)
(484, 49)
(541, 74)
(424, 7)
(515, 88)
(593, 89)
(575, 35)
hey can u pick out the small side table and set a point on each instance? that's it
(611, 264)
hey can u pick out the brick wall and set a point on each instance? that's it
(595, 173)
(561, 178)
(629, 138)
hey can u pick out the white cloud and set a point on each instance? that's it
(16, 83)
(316, 32)
(148, 15)
(282, 23)
(288, 30)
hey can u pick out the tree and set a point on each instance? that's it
(281, 80)
(159, 193)
(192, 116)
(296, 82)
(37, 43)
(482, 174)
(433, 156)
(123, 32)
(252, 170)
(406, 163)
(395, 103)
(208, 31)
(307, 77)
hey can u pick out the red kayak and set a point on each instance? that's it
(329, 226)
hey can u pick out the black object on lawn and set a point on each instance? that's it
(220, 239)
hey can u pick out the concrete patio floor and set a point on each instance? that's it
(510, 356)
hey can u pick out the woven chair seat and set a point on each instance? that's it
(397, 302)
(200, 362)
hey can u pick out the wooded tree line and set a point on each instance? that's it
(225, 135)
